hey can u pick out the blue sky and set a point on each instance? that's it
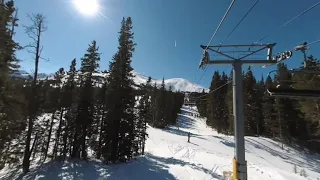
(159, 23)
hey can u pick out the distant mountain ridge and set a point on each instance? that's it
(177, 84)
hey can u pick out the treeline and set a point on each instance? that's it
(77, 114)
(290, 120)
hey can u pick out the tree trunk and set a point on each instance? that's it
(115, 142)
(280, 128)
(26, 157)
(65, 137)
(75, 145)
(100, 138)
(49, 137)
(34, 32)
(33, 145)
(55, 149)
(144, 137)
(83, 142)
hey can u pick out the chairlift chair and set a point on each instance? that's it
(290, 92)
(204, 59)
(293, 93)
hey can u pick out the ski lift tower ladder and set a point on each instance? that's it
(239, 162)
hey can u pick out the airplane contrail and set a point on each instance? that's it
(175, 43)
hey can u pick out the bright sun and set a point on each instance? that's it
(87, 7)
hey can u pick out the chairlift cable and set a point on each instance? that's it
(222, 20)
(240, 21)
(287, 22)
(214, 34)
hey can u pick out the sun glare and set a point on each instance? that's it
(87, 7)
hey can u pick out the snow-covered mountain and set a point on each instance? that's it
(177, 84)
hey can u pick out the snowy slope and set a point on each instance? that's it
(169, 156)
(175, 83)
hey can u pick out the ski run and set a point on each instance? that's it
(169, 156)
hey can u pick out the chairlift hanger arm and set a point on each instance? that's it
(223, 54)
(254, 52)
(251, 45)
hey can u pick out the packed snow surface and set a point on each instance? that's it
(169, 156)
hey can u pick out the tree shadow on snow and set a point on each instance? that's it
(228, 143)
(310, 162)
(143, 168)
(187, 111)
(69, 170)
(185, 122)
(172, 161)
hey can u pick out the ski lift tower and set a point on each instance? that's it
(239, 162)
(189, 100)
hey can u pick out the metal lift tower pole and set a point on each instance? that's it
(239, 162)
(239, 119)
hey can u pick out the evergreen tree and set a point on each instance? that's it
(120, 116)
(250, 105)
(11, 99)
(154, 109)
(160, 121)
(34, 32)
(85, 109)
(213, 109)
(289, 114)
(224, 104)
(68, 103)
(202, 103)
(144, 116)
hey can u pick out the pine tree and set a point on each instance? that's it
(68, 103)
(120, 114)
(169, 107)
(250, 104)
(202, 104)
(213, 109)
(259, 99)
(224, 104)
(60, 109)
(11, 99)
(99, 129)
(84, 118)
(160, 121)
(34, 32)
(289, 114)
(310, 107)
(144, 115)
